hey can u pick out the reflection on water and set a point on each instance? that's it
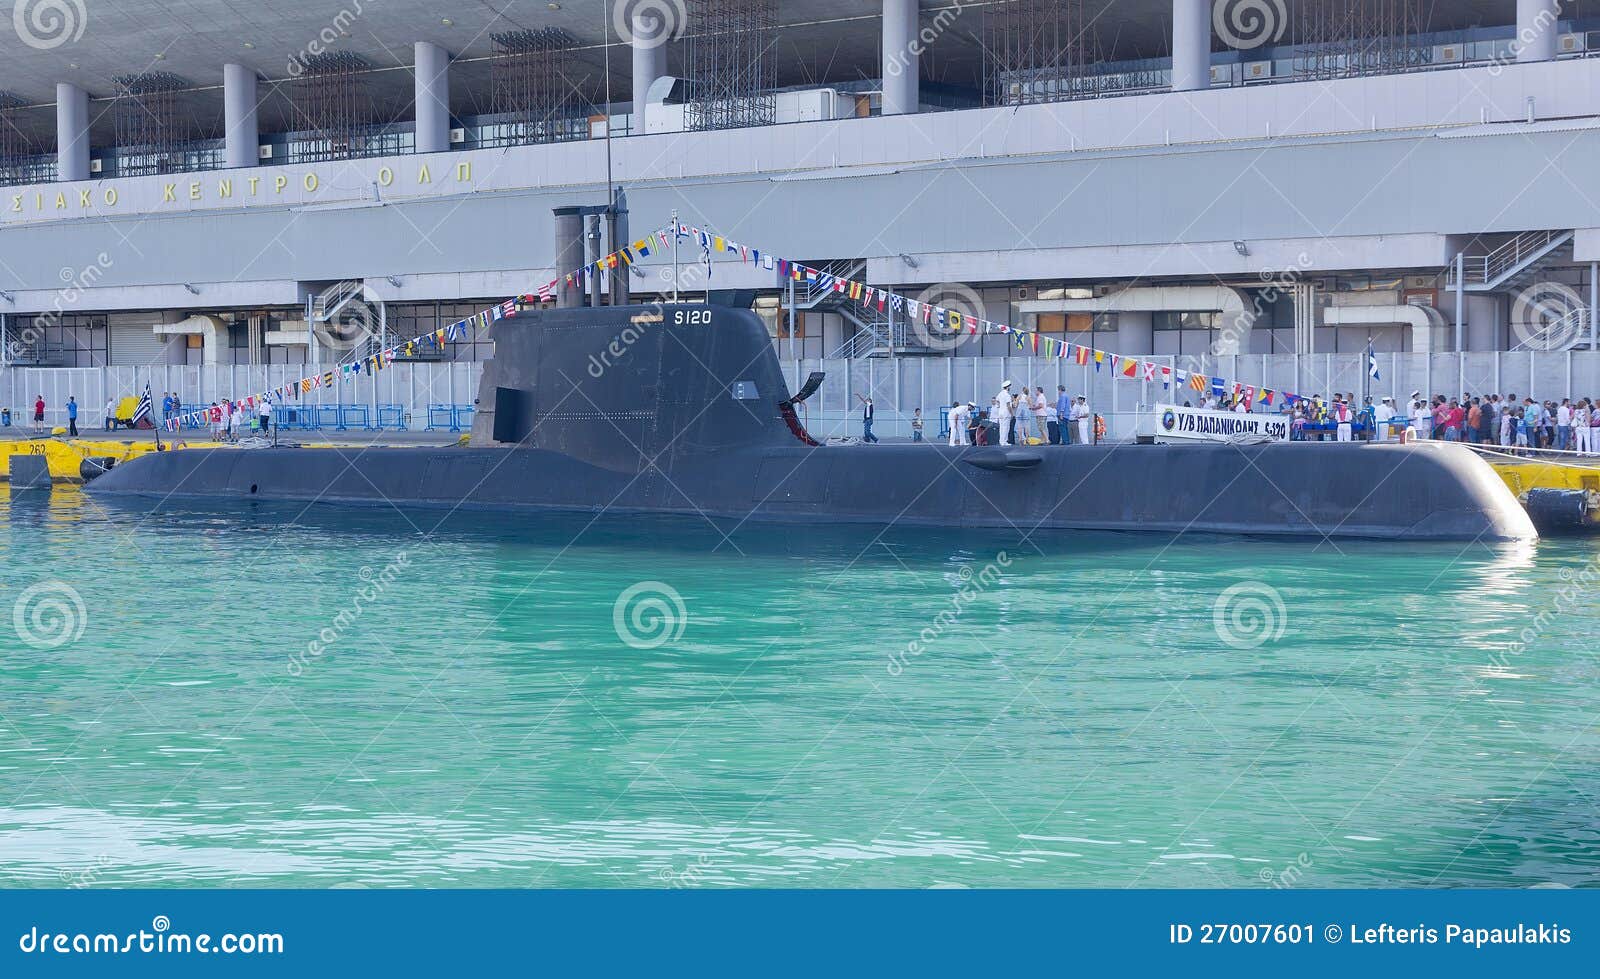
(472, 706)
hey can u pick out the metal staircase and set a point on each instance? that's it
(330, 302)
(1512, 265)
(1571, 330)
(878, 333)
(324, 308)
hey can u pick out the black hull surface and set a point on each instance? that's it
(1421, 492)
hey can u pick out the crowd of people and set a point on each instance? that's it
(1014, 415)
(1510, 423)
(226, 420)
(1020, 415)
(1492, 420)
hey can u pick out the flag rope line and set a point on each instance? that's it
(453, 333)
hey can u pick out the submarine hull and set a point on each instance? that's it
(1423, 492)
(684, 409)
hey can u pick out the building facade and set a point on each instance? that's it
(1206, 200)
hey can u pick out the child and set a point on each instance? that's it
(1522, 429)
(916, 425)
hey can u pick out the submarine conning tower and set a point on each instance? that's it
(622, 386)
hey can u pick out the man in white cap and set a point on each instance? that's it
(1421, 416)
(1080, 417)
(1002, 412)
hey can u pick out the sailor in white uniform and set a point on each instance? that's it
(1080, 417)
(1341, 412)
(1002, 413)
(1382, 414)
(958, 424)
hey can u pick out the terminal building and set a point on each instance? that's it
(1255, 189)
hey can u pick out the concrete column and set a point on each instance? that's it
(617, 232)
(902, 69)
(1594, 305)
(239, 111)
(72, 132)
(1191, 45)
(569, 254)
(1136, 333)
(1485, 323)
(433, 97)
(1538, 27)
(592, 239)
(650, 34)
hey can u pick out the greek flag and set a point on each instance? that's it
(143, 410)
(1372, 362)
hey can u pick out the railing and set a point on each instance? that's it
(1506, 259)
(878, 336)
(39, 169)
(809, 294)
(327, 303)
(1571, 330)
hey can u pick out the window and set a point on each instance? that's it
(479, 343)
(69, 340)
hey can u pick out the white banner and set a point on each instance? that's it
(1175, 424)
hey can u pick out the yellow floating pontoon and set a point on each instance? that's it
(1560, 490)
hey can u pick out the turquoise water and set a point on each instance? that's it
(1411, 716)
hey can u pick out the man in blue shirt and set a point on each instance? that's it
(1063, 412)
(72, 417)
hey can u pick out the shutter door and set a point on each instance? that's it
(134, 341)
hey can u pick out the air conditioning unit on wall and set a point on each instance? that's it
(1572, 43)
(458, 136)
(1447, 53)
(264, 151)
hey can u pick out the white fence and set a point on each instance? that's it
(896, 386)
(411, 387)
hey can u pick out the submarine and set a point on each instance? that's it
(682, 408)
